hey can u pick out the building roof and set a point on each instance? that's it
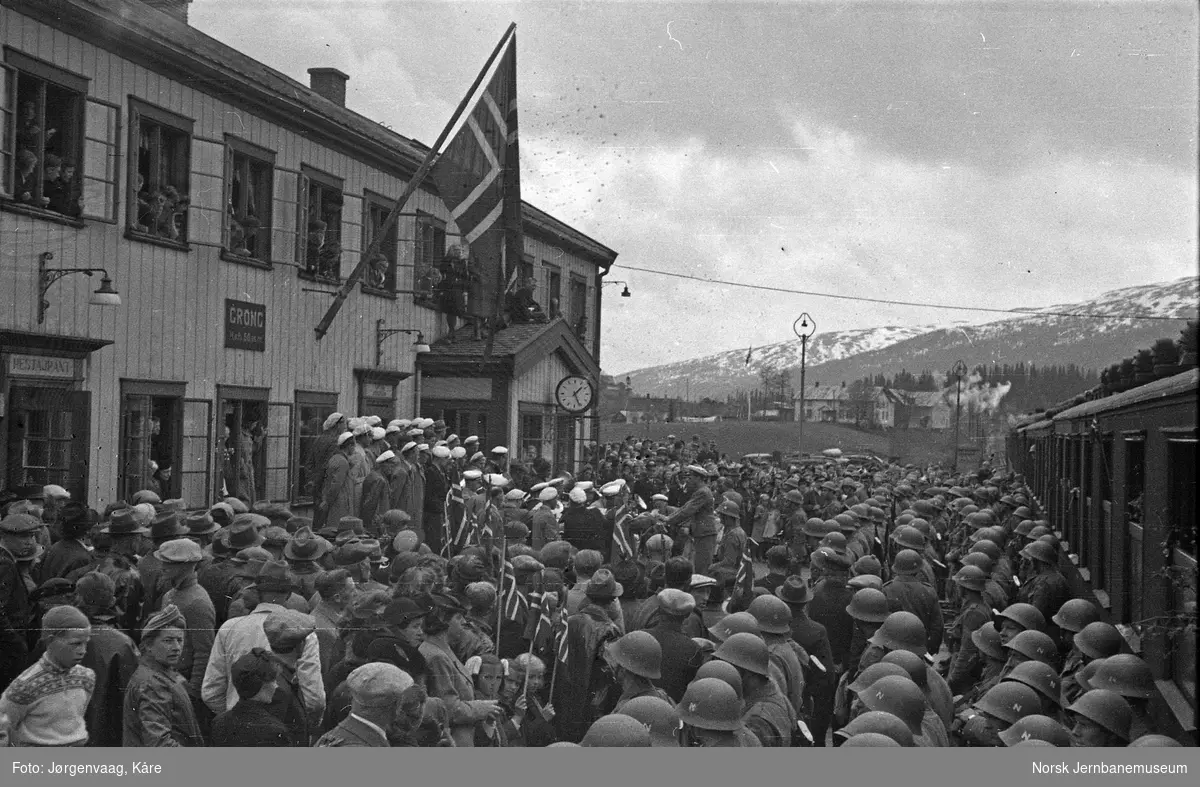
(518, 345)
(925, 398)
(820, 393)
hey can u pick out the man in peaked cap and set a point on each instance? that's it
(337, 497)
(180, 560)
(376, 691)
(681, 656)
(376, 497)
(695, 521)
(906, 591)
(165, 527)
(18, 537)
(323, 447)
(440, 476)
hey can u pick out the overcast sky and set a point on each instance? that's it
(1005, 155)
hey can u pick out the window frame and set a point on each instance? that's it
(573, 318)
(16, 63)
(305, 399)
(425, 252)
(553, 292)
(310, 175)
(140, 110)
(236, 146)
(372, 200)
(529, 410)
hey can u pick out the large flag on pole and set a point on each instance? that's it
(479, 178)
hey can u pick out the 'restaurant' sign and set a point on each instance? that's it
(42, 366)
(245, 325)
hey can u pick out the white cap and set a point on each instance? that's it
(538, 487)
(332, 420)
(441, 452)
(578, 495)
(663, 498)
(344, 436)
(392, 429)
(608, 490)
(548, 494)
(355, 421)
(499, 450)
(404, 422)
(374, 420)
(378, 433)
(426, 423)
(416, 432)
(361, 429)
(458, 452)
(584, 485)
(452, 438)
(515, 494)
(701, 581)
(477, 455)
(386, 455)
(410, 445)
(495, 479)
(472, 439)
(423, 447)
(557, 481)
(472, 475)
(54, 490)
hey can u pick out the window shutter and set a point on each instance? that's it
(100, 160)
(354, 209)
(197, 451)
(206, 213)
(8, 131)
(131, 177)
(283, 216)
(227, 202)
(301, 219)
(279, 451)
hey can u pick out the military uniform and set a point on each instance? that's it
(967, 658)
(908, 594)
(974, 730)
(1047, 591)
(770, 716)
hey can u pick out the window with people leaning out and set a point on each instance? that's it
(321, 212)
(248, 174)
(381, 271)
(42, 151)
(160, 145)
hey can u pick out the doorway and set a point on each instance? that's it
(49, 431)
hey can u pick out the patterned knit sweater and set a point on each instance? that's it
(47, 706)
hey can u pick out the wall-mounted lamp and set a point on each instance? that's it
(625, 293)
(381, 333)
(105, 295)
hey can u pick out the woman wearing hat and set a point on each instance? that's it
(447, 677)
(250, 722)
(158, 709)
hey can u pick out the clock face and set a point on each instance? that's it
(574, 394)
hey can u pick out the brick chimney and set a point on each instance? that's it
(330, 83)
(175, 8)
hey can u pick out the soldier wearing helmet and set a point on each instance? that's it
(868, 608)
(906, 591)
(967, 663)
(616, 730)
(711, 712)
(1101, 718)
(1129, 676)
(1046, 588)
(1097, 640)
(900, 696)
(636, 661)
(768, 714)
(660, 717)
(986, 640)
(1041, 677)
(787, 657)
(877, 723)
(1019, 617)
(997, 710)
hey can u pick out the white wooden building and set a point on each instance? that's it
(224, 201)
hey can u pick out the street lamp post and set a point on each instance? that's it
(959, 370)
(804, 327)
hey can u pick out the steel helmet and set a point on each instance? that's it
(773, 614)
(1023, 528)
(747, 652)
(835, 541)
(1036, 645)
(1022, 512)
(1074, 614)
(736, 623)
(960, 503)
(722, 670)
(924, 507)
(870, 739)
(905, 517)
(971, 577)
(1024, 615)
(979, 520)
(907, 561)
(638, 652)
(901, 631)
(1031, 743)
(1106, 708)
(1038, 532)
(869, 606)
(658, 715)
(988, 548)
(914, 666)
(794, 496)
(1050, 539)
(1037, 727)
(1039, 676)
(1041, 552)
(707, 646)
(1151, 741)
(968, 509)
(710, 704)
(861, 581)
(1125, 674)
(616, 730)
(880, 669)
(814, 527)
(898, 695)
(1009, 701)
(880, 722)
(876, 515)
(980, 561)
(1099, 640)
(1008, 500)
(846, 523)
(997, 535)
(909, 537)
(861, 510)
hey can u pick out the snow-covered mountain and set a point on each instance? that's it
(1045, 337)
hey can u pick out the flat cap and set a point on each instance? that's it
(286, 629)
(526, 563)
(19, 523)
(676, 602)
(378, 684)
(179, 550)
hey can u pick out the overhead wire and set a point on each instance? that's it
(893, 302)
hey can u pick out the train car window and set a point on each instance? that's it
(1135, 477)
(1181, 480)
(1181, 467)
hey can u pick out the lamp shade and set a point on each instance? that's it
(106, 295)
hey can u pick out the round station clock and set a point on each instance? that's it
(574, 393)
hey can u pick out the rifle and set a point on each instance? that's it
(887, 537)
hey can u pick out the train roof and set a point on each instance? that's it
(1182, 383)
(1036, 425)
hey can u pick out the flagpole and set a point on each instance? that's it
(413, 184)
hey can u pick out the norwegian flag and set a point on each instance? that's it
(544, 630)
(745, 574)
(619, 539)
(448, 540)
(515, 602)
(563, 650)
(478, 176)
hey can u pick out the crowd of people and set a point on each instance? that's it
(441, 596)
